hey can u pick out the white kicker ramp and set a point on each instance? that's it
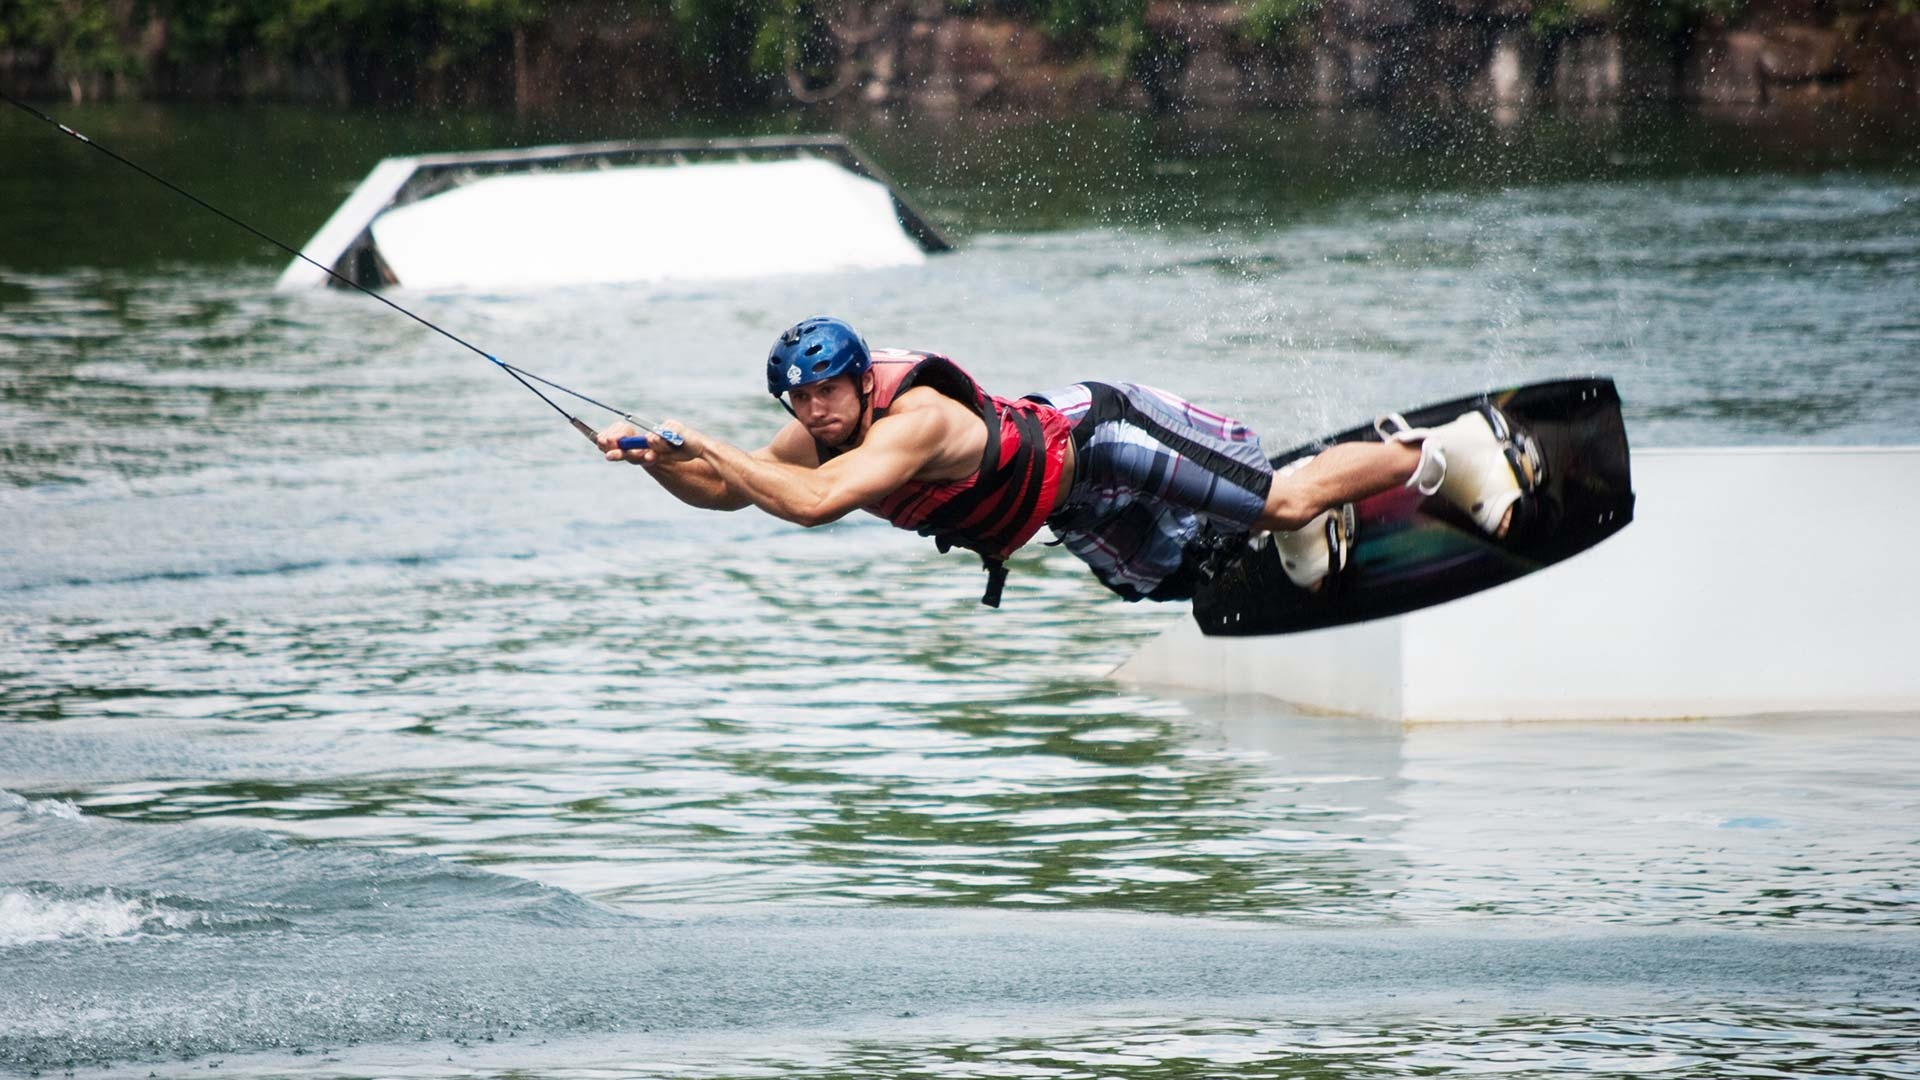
(703, 221)
(648, 223)
(1751, 581)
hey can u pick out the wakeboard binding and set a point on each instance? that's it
(1478, 462)
(1313, 554)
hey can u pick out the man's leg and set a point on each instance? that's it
(1475, 462)
(1342, 473)
(1154, 475)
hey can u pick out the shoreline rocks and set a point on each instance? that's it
(1203, 55)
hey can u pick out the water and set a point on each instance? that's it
(355, 720)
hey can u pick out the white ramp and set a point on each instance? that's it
(346, 224)
(1751, 581)
(644, 224)
(614, 212)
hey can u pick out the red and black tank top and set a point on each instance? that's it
(1005, 501)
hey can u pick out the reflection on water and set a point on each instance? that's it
(505, 728)
(1757, 822)
(1749, 1041)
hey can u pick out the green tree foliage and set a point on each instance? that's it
(1109, 23)
(1675, 15)
(752, 34)
(94, 36)
(1272, 22)
(435, 33)
(1655, 17)
(81, 37)
(1109, 26)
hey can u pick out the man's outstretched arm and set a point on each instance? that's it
(893, 452)
(694, 481)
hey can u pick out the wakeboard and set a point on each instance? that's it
(1411, 551)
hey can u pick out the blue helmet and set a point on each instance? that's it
(814, 350)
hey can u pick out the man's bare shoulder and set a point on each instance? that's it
(927, 399)
(927, 415)
(950, 432)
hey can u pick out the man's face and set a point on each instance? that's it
(830, 410)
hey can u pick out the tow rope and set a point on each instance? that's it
(519, 374)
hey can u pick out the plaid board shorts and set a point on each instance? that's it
(1156, 479)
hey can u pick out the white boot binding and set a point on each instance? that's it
(1433, 457)
(1316, 551)
(1476, 461)
(1529, 465)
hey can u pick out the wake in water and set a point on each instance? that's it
(87, 872)
(32, 912)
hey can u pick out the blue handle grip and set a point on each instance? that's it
(639, 442)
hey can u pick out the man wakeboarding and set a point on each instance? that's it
(1151, 491)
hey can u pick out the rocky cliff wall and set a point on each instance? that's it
(1190, 54)
(1428, 52)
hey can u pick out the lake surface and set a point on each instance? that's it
(356, 720)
